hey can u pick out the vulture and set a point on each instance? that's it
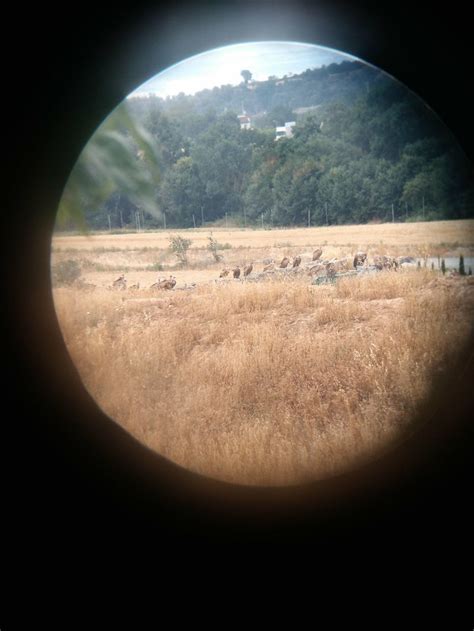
(136, 286)
(378, 262)
(385, 262)
(316, 254)
(268, 267)
(248, 269)
(315, 269)
(236, 272)
(120, 283)
(225, 272)
(359, 259)
(167, 283)
(296, 261)
(389, 262)
(285, 262)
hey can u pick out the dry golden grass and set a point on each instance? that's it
(268, 383)
(386, 234)
(104, 256)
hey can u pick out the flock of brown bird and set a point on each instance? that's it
(283, 264)
(330, 267)
(165, 283)
(236, 271)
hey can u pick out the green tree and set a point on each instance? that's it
(223, 156)
(246, 75)
(365, 144)
(182, 192)
(258, 195)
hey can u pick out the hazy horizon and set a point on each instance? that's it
(222, 66)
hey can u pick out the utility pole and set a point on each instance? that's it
(110, 226)
(120, 210)
(116, 207)
(194, 221)
(393, 215)
(164, 220)
(262, 220)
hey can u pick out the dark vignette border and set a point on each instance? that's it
(75, 474)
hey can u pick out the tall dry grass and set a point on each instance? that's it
(386, 234)
(267, 383)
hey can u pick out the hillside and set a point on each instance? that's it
(363, 148)
(342, 82)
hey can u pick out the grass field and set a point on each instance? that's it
(140, 256)
(272, 382)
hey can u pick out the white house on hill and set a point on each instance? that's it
(244, 121)
(286, 131)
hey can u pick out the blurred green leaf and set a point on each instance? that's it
(120, 156)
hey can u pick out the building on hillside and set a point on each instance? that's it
(286, 131)
(244, 121)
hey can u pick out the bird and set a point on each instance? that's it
(248, 269)
(120, 283)
(359, 259)
(285, 262)
(236, 272)
(316, 254)
(296, 261)
(389, 262)
(225, 272)
(136, 286)
(167, 283)
(315, 269)
(384, 261)
(268, 267)
(378, 262)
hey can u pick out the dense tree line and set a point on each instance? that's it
(364, 148)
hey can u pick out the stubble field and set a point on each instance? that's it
(272, 382)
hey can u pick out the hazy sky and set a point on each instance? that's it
(222, 66)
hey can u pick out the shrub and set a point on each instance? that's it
(180, 246)
(156, 267)
(213, 246)
(66, 273)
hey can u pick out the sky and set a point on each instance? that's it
(222, 66)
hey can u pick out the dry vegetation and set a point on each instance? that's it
(144, 255)
(273, 382)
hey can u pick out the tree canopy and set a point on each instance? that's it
(362, 142)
